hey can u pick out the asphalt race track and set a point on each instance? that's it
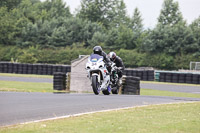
(20, 107)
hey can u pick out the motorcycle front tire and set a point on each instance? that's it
(95, 85)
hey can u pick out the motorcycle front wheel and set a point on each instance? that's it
(95, 85)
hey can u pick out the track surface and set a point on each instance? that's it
(18, 107)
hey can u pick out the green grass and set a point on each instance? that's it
(170, 118)
(26, 75)
(48, 87)
(25, 86)
(150, 92)
(168, 83)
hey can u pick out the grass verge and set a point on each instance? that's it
(48, 87)
(168, 83)
(182, 117)
(26, 75)
(25, 86)
(150, 92)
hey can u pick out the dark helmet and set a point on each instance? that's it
(97, 50)
(112, 56)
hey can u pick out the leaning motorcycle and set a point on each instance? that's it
(98, 74)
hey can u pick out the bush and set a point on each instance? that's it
(9, 52)
(160, 61)
(27, 57)
(131, 58)
(64, 55)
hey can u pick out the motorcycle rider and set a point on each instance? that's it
(98, 50)
(119, 64)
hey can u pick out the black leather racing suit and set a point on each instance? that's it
(105, 57)
(120, 65)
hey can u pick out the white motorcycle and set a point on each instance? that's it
(98, 74)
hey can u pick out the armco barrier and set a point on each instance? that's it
(146, 75)
(40, 69)
(178, 77)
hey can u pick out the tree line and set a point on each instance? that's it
(30, 27)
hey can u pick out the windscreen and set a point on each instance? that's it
(95, 57)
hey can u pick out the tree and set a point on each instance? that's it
(10, 4)
(171, 35)
(136, 21)
(8, 26)
(137, 28)
(97, 39)
(195, 27)
(177, 39)
(170, 14)
(125, 38)
(120, 15)
(111, 41)
(56, 9)
(105, 12)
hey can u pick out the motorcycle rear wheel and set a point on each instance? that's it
(115, 90)
(106, 92)
(95, 85)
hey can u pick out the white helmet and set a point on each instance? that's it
(112, 56)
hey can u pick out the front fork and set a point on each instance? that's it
(98, 76)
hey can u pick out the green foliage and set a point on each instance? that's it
(105, 12)
(55, 9)
(170, 13)
(97, 39)
(137, 28)
(121, 37)
(9, 52)
(182, 61)
(161, 61)
(10, 4)
(171, 40)
(32, 31)
(27, 57)
(195, 27)
(8, 27)
(125, 38)
(136, 21)
(131, 58)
